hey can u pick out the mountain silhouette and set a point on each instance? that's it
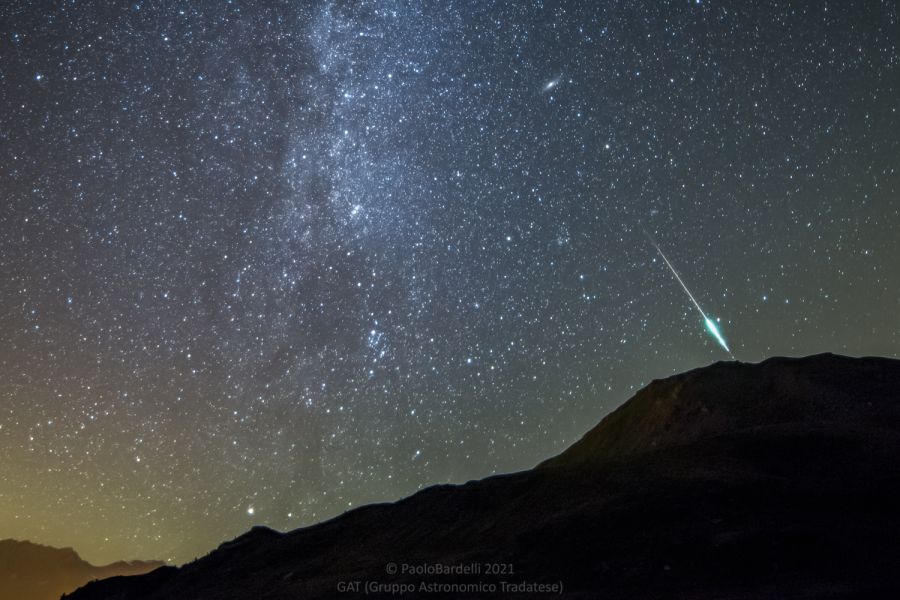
(34, 572)
(772, 480)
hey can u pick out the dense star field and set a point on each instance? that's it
(261, 264)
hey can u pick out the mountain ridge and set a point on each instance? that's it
(734, 480)
(32, 571)
(606, 438)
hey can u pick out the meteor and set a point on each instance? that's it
(710, 324)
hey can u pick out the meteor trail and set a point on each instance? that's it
(710, 324)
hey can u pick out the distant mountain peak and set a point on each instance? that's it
(39, 572)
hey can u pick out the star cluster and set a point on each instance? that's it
(264, 262)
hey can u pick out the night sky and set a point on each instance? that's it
(260, 264)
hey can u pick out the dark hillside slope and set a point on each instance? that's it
(773, 480)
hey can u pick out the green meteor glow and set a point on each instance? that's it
(710, 324)
(714, 330)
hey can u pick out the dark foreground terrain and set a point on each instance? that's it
(34, 572)
(771, 480)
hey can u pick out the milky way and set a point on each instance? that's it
(263, 264)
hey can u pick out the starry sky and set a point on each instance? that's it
(264, 262)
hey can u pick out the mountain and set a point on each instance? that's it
(772, 480)
(33, 572)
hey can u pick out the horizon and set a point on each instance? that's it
(440, 483)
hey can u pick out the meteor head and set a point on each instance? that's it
(714, 330)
